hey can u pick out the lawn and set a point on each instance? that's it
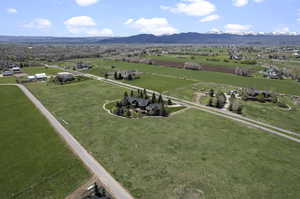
(35, 163)
(36, 70)
(206, 60)
(189, 155)
(7, 80)
(283, 86)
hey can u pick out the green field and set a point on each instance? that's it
(7, 80)
(203, 60)
(283, 86)
(36, 70)
(35, 163)
(189, 155)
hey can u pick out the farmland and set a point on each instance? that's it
(282, 86)
(35, 163)
(183, 156)
(36, 70)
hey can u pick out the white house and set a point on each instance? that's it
(41, 76)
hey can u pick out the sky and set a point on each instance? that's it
(72, 18)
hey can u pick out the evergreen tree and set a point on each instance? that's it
(145, 92)
(160, 100)
(116, 75)
(211, 92)
(129, 77)
(125, 94)
(106, 75)
(153, 100)
(120, 77)
(131, 93)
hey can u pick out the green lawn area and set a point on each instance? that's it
(283, 86)
(159, 83)
(203, 60)
(36, 70)
(35, 163)
(7, 80)
(189, 155)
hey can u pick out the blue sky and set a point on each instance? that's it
(122, 18)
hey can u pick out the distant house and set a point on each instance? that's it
(192, 66)
(16, 69)
(126, 75)
(41, 76)
(272, 73)
(65, 77)
(7, 73)
(82, 66)
(252, 94)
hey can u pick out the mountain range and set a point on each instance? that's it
(182, 38)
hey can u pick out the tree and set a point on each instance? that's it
(163, 111)
(160, 100)
(221, 98)
(120, 77)
(211, 93)
(131, 94)
(210, 102)
(106, 75)
(130, 77)
(153, 98)
(170, 102)
(116, 75)
(125, 94)
(236, 107)
(145, 92)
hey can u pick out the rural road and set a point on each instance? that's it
(225, 114)
(110, 184)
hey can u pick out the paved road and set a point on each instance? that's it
(111, 185)
(226, 114)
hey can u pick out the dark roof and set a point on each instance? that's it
(153, 107)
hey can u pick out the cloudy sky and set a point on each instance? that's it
(129, 17)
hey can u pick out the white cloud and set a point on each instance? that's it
(215, 30)
(192, 8)
(156, 26)
(12, 10)
(86, 2)
(80, 21)
(237, 28)
(129, 21)
(210, 18)
(39, 23)
(85, 25)
(240, 3)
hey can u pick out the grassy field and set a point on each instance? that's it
(189, 155)
(7, 80)
(266, 112)
(36, 70)
(35, 163)
(203, 60)
(283, 86)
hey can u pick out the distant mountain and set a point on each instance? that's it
(182, 38)
(50, 40)
(207, 38)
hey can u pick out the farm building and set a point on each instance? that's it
(126, 75)
(65, 77)
(16, 69)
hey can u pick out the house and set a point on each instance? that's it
(82, 66)
(126, 74)
(41, 76)
(7, 73)
(65, 77)
(272, 73)
(31, 78)
(16, 69)
(252, 94)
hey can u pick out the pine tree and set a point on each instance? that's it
(116, 75)
(211, 92)
(131, 94)
(153, 98)
(145, 92)
(120, 76)
(160, 99)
